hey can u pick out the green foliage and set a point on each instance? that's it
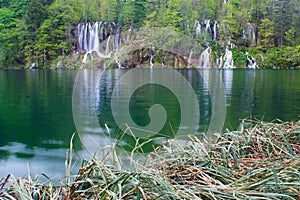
(10, 12)
(239, 57)
(258, 162)
(290, 36)
(285, 57)
(55, 33)
(133, 13)
(267, 33)
(38, 31)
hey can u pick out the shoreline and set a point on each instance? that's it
(260, 161)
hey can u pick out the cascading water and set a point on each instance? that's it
(107, 45)
(251, 63)
(204, 60)
(207, 27)
(100, 39)
(90, 36)
(219, 60)
(190, 58)
(228, 60)
(249, 34)
(80, 36)
(215, 30)
(198, 28)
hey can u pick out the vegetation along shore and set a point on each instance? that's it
(260, 161)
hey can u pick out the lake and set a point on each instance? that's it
(36, 111)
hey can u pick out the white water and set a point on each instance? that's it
(198, 27)
(249, 34)
(205, 27)
(190, 58)
(91, 35)
(215, 30)
(251, 63)
(204, 60)
(100, 39)
(228, 60)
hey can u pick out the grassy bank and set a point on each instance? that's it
(258, 162)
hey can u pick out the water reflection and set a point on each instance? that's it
(36, 120)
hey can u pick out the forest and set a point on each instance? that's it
(44, 31)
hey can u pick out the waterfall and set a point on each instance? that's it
(228, 60)
(95, 44)
(249, 34)
(198, 28)
(117, 39)
(221, 62)
(80, 30)
(91, 35)
(107, 46)
(128, 35)
(85, 57)
(206, 26)
(190, 58)
(85, 39)
(215, 30)
(204, 60)
(151, 60)
(251, 63)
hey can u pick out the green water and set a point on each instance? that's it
(36, 120)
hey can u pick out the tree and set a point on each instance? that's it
(266, 31)
(10, 11)
(282, 14)
(133, 13)
(54, 38)
(228, 24)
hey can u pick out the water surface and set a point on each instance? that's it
(36, 120)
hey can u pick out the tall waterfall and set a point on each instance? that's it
(206, 27)
(250, 34)
(198, 28)
(91, 35)
(204, 60)
(215, 30)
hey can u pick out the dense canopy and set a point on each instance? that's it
(42, 31)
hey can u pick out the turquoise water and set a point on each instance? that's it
(36, 120)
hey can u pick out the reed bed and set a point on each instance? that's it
(261, 161)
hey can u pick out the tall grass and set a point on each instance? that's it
(258, 162)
